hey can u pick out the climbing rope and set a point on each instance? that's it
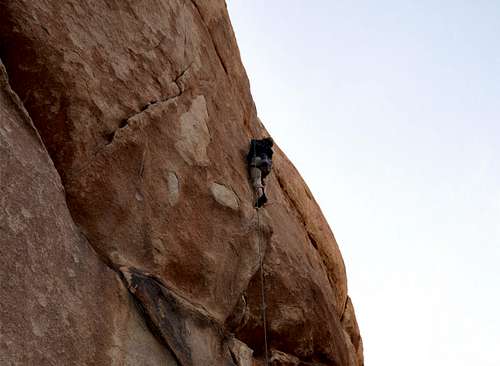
(262, 279)
(262, 285)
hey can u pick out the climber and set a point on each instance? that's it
(259, 160)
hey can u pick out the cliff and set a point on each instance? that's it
(128, 231)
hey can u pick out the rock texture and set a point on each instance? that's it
(60, 305)
(145, 110)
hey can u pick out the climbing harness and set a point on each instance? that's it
(262, 285)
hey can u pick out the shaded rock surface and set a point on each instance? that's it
(60, 305)
(145, 110)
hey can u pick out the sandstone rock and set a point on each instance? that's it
(194, 136)
(60, 305)
(224, 196)
(173, 188)
(194, 337)
(241, 353)
(146, 111)
(350, 325)
(282, 359)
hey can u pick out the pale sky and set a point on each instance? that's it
(391, 112)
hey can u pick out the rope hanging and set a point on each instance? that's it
(262, 286)
(262, 279)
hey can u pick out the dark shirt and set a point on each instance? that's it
(261, 149)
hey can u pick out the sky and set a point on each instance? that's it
(391, 112)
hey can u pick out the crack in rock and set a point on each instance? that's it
(124, 123)
(181, 88)
(183, 327)
(217, 52)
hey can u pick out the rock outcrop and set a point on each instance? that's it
(150, 254)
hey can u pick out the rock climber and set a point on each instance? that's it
(259, 160)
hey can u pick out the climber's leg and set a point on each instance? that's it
(256, 177)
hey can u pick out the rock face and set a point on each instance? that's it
(146, 112)
(60, 304)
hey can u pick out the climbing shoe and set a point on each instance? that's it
(261, 201)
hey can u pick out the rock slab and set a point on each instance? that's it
(60, 304)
